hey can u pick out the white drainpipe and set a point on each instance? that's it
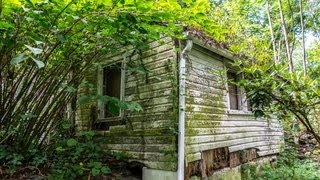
(182, 107)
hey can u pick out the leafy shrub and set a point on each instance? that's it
(12, 157)
(70, 157)
(78, 156)
(288, 167)
(299, 170)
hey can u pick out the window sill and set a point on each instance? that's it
(109, 119)
(239, 112)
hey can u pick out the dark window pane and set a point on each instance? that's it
(233, 92)
(111, 86)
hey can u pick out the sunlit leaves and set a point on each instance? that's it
(38, 62)
(18, 58)
(5, 25)
(272, 89)
(68, 38)
(34, 50)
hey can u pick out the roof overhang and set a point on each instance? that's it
(220, 51)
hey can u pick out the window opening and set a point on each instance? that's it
(111, 87)
(234, 92)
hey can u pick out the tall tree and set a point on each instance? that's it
(303, 41)
(286, 39)
(275, 58)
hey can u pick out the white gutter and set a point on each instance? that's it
(182, 107)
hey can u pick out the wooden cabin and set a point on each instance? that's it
(194, 123)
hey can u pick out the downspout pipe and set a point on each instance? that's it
(182, 107)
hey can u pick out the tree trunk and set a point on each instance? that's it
(303, 41)
(286, 39)
(276, 61)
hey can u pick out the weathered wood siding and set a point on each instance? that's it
(147, 137)
(208, 123)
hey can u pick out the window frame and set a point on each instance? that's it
(238, 93)
(100, 77)
(241, 95)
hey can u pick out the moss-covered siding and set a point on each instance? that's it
(149, 136)
(209, 123)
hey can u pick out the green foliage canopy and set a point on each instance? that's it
(46, 48)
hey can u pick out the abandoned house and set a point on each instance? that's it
(194, 124)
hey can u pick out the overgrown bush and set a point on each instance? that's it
(290, 96)
(77, 156)
(69, 157)
(287, 167)
(13, 157)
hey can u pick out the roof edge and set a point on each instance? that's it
(210, 44)
(222, 52)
